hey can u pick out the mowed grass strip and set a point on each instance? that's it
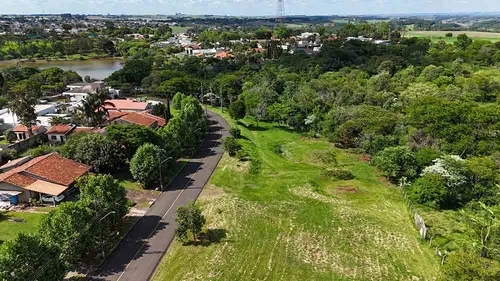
(287, 222)
(436, 36)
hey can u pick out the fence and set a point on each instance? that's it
(419, 221)
(23, 145)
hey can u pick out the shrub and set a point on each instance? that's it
(10, 136)
(396, 162)
(429, 190)
(337, 173)
(241, 155)
(8, 154)
(231, 146)
(277, 147)
(235, 132)
(449, 34)
(41, 150)
(326, 157)
(237, 110)
(144, 164)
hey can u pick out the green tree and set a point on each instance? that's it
(430, 190)
(145, 165)
(132, 136)
(95, 150)
(281, 33)
(463, 41)
(396, 162)
(103, 194)
(190, 219)
(177, 101)
(94, 110)
(237, 110)
(69, 227)
(39, 260)
(23, 98)
(160, 110)
(484, 224)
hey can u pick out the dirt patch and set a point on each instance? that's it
(347, 189)
(141, 198)
(365, 158)
(384, 180)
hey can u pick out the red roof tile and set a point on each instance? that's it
(115, 114)
(161, 121)
(139, 119)
(58, 169)
(60, 129)
(51, 167)
(117, 104)
(22, 128)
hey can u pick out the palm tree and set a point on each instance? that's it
(93, 108)
(56, 120)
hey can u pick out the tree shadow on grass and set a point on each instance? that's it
(209, 237)
(251, 127)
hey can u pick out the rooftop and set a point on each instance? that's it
(22, 128)
(128, 104)
(60, 129)
(51, 168)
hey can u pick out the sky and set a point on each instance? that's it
(247, 7)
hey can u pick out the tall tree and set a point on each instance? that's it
(23, 98)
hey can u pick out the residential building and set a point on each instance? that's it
(79, 91)
(9, 120)
(128, 105)
(138, 118)
(58, 134)
(49, 174)
(21, 131)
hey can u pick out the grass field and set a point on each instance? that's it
(441, 35)
(276, 218)
(9, 229)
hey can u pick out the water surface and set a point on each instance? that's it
(97, 68)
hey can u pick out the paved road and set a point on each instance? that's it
(140, 252)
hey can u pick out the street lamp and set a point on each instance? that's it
(159, 168)
(102, 240)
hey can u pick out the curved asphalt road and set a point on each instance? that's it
(141, 250)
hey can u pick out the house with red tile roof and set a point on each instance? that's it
(49, 174)
(128, 105)
(60, 132)
(21, 131)
(143, 118)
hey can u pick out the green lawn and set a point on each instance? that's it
(179, 29)
(287, 222)
(9, 229)
(437, 36)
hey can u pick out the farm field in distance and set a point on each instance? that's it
(277, 218)
(441, 35)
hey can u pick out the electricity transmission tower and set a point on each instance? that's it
(280, 11)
